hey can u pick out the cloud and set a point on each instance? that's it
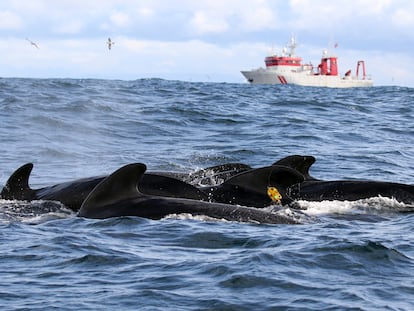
(403, 18)
(259, 18)
(208, 22)
(186, 60)
(145, 12)
(232, 16)
(165, 38)
(10, 20)
(120, 19)
(69, 27)
(366, 25)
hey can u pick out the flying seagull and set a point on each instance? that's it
(110, 43)
(32, 43)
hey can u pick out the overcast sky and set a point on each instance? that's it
(196, 40)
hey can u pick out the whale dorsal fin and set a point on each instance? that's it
(301, 163)
(251, 188)
(259, 179)
(285, 176)
(120, 185)
(17, 186)
(165, 186)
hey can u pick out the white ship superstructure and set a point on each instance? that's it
(287, 68)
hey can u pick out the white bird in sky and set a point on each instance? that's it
(110, 43)
(34, 44)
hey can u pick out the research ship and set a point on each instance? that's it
(287, 68)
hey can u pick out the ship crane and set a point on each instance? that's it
(362, 64)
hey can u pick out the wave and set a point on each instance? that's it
(33, 212)
(40, 211)
(375, 205)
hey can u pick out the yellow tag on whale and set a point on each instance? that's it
(274, 194)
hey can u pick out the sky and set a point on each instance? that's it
(195, 40)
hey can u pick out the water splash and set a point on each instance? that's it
(375, 205)
(34, 212)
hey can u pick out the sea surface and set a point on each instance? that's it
(344, 255)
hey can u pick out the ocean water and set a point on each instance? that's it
(344, 255)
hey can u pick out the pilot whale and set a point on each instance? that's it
(350, 190)
(238, 184)
(119, 195)
(254, 187)
(73, 193)
(312, 189)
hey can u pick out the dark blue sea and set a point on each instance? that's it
(344, 255)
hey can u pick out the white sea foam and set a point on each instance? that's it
(373, 205)
(204, 177)
(275, 209)
(33, 212)
(187, 216)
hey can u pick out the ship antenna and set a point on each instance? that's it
(292, 45)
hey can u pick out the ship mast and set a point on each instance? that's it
(292, 46)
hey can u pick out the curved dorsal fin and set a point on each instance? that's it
(259, 179)
(17, 186)
(285, 176)
(120, 185)
(301, 163)
(251, 188)
(165, 186)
